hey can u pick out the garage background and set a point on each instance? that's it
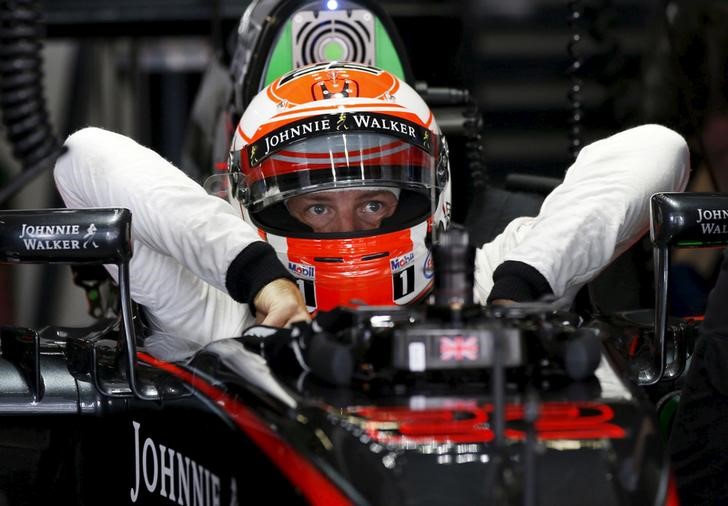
(135, 66)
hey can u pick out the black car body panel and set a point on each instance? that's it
(227, 426)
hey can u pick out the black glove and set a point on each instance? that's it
(313, 346)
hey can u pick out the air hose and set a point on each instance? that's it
(22, 101)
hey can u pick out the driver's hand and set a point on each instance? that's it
(280, 303)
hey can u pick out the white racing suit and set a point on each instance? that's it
(185, 240)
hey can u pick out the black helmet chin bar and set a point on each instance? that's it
(678, 220)
(77, 236)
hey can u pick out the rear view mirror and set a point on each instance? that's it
(76, 236)
(68, 236)
(679, 220)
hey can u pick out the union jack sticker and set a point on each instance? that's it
(459, 348)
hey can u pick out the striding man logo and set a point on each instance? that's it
(341, 122)
(89, 237)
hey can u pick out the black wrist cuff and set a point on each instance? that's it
(519, 282)
(253, 268)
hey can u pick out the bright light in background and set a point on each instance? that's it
(332, 5)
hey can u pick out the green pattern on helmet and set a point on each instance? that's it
(386, 53)
(281, 59)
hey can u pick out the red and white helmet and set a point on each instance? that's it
(339, 127)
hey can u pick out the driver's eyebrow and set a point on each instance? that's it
(328, 196)
(316, 197)
(362, 195)
(372, 192)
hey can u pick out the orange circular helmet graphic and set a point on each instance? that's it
(343, 170)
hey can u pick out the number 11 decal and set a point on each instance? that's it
(404, 282)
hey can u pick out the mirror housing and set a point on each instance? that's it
(77, 236)
(678, 220)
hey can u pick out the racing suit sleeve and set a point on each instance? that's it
(600, 210)
(190, 249)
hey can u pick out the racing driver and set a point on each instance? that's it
(339, 181)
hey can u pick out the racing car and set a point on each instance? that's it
(443, 403)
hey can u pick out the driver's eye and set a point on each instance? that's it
(317, 209)
(373, 206)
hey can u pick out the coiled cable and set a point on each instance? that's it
(575, 97)
(469, 123)
(22, 101)
(474, 146)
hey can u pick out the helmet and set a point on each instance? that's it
(348, 134)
